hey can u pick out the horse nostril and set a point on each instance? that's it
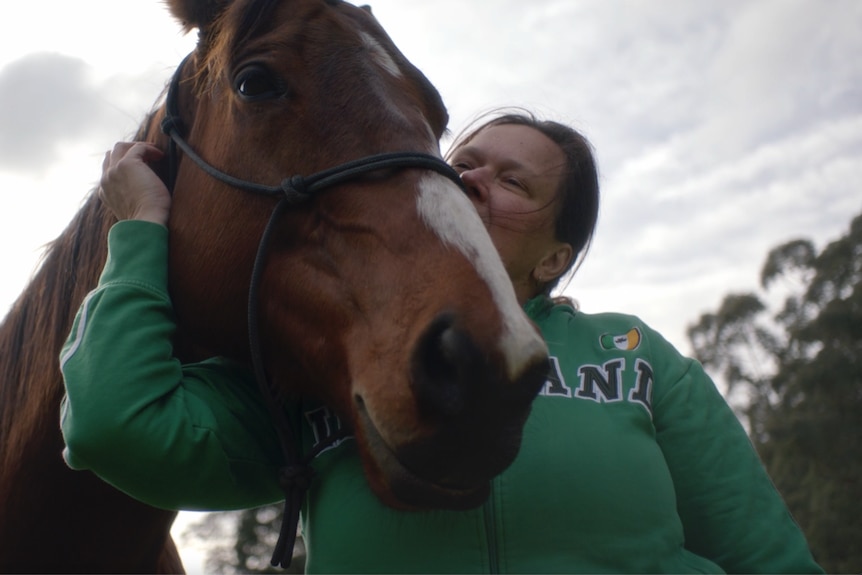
(446, 362)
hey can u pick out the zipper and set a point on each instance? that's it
(490, 516)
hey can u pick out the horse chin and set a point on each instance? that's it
(400, 488)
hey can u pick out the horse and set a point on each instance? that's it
(380, 294)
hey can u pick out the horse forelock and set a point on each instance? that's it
(229, 30)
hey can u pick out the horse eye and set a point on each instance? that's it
(257, 83)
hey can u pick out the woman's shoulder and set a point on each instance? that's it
(565, 311)
(564, 324)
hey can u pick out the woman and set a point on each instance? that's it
(631, 460)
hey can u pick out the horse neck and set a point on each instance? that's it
(87, 524)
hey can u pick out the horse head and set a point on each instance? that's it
(382, 295)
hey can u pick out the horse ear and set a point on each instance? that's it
(196, 13)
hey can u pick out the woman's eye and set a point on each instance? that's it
(514, 182)
(256, 83)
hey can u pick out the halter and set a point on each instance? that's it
(296, 474)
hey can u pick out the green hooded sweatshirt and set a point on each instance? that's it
(631, 460)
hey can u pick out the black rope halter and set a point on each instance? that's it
(296, 474)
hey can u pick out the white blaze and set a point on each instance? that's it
(453, 217)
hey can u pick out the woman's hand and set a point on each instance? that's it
(130, 188)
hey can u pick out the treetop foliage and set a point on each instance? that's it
(799, 364)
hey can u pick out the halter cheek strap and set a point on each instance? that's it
(296, 475)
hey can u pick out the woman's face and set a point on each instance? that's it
(512, 173)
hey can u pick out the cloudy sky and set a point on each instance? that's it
(722, 127)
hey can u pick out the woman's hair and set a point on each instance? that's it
(579, 187)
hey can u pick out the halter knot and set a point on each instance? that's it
(172, 124)
(295, 476)
(295, 189)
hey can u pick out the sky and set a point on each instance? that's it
(722, 128)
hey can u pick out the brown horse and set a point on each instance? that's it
(381, 295)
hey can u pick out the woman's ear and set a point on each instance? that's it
(554, 263)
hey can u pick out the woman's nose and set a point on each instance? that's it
(476, 183)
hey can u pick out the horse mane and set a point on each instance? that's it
(39, 321)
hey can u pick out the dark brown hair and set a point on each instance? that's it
(579, 187)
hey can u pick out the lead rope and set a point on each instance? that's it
(296, 475)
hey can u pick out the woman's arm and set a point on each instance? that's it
(174, 436)
(731, 512)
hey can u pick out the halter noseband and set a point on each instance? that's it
(296, 474)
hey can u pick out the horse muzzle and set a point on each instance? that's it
(469, 417)
(399, 487)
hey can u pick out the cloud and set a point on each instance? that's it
(45, 99)
(754, 122)
(49, 100)
(722, 127)
(780, 68)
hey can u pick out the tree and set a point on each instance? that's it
(243, 541)
(794, 351)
